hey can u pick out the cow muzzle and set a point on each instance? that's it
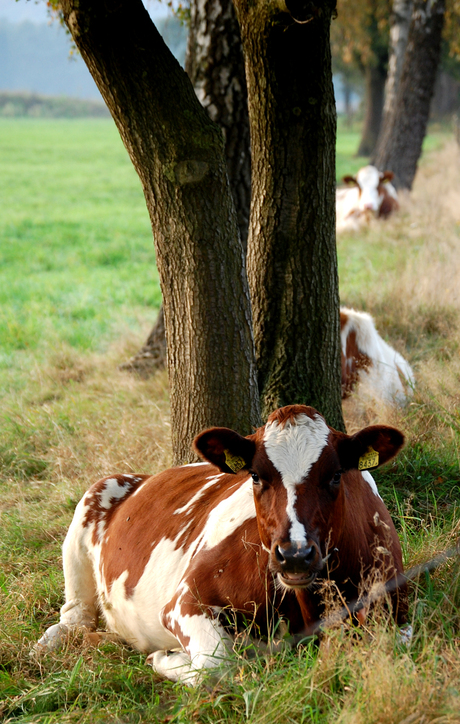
(296, 565)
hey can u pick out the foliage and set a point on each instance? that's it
(19, 104)
(360, 34)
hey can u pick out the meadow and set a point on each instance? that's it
(78, 295)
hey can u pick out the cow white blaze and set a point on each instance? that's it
(293, 448)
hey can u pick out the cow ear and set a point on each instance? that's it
(349, 180)
(225, 449)
(387, 176)
(370, 447)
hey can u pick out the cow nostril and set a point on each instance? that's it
(309, 554)
(279, 555)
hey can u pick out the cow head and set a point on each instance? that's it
(369, 181)
(298, 466)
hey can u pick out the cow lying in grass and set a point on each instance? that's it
(255, 530)
(371, 195)
(367, 358)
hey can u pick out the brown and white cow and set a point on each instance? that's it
(255, 530)
(367, 358)
(372, 195)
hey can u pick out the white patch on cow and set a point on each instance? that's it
(194, 465)
(368, 179)
(228, 515)
(293, 449)
(369, 479)
(211, 481)
(383, 377)
(112, 491)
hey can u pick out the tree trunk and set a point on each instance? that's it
(215, 65)
(401, 142)
(446, 97)
(179, 156)
(399, 32)
(152, 355)
(292, 261)
(375, 76)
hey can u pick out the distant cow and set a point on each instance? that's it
(252, 532)
(367, 357)
(372, 195)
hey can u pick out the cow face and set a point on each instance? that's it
(299, 467)
(369, 181)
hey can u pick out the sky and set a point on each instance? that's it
(36, 11)
(35, 51)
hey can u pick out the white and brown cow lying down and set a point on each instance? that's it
(254, 530)
(372, 195)
(368, 359)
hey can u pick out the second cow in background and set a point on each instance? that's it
(371, 196)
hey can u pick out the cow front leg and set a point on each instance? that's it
(205, 643)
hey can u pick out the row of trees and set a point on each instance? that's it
(250, 293)
(397, 47)
(241, 338)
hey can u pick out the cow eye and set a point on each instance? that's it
(255, 478)
(336, 479)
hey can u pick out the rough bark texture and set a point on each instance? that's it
(152, 355)
(399, 33)
(292, 262)
(179, 156)
(401, 143)
(215, 65)
(375, 76)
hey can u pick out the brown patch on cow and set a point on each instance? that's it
(150, 516)
(352, 362)
(388, 205)
(235, 577)
(289, 413)
(96, 513)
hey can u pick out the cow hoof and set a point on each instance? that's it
(52, 639)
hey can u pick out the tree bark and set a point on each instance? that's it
(215, 65)
(152, 356)
(179, 156)
(399, 33)
(375, 76)
(292, 262)
(401, 143)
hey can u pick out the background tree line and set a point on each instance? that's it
(249, 330)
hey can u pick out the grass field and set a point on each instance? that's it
(79, 292)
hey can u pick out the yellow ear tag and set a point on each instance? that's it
(369, 459)
(234, 462)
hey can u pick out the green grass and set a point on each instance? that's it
(76, 249)
(78, 292)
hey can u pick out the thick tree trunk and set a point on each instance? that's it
(401, 143)
(292, 262)
(375, 76)
(215, 65)
(179, 156)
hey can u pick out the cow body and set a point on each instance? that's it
(163, 558)
(372, 195)
(367, 358)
